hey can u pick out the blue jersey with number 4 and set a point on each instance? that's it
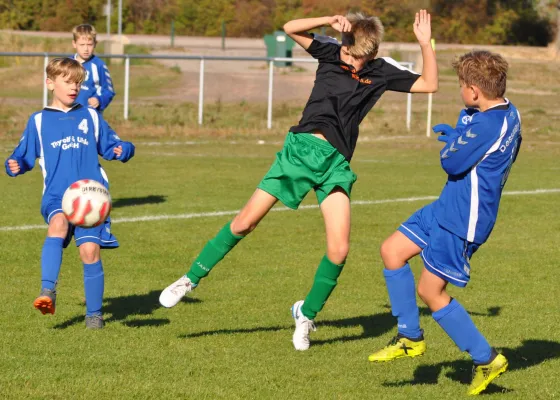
(477, 158)
(67, 145)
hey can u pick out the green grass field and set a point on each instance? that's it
(232, 338)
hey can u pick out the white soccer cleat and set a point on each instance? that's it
(173, 293)
(303, 326)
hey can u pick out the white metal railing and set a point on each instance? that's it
(202, 59)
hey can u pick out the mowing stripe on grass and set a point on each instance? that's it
(163, 217)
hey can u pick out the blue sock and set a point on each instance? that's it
(457, 323)
(402, 294)
(51, 259)
(94, 283)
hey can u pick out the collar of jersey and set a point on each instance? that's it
(88, 60)
(74, 107)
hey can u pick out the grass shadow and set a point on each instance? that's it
(121, 307)
(138, 201)
(531, 352)
(234, 331)
(372, 326)
(379, 324)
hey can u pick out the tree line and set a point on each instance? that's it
(530, 22)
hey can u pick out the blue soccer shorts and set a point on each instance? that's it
(444, 253)
(100, 235)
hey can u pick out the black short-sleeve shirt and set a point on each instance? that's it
(342, 96)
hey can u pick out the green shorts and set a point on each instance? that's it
(307, 162)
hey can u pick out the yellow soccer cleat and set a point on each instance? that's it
(399, 347)
(484, 374)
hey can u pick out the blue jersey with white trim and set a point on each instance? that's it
(67, 145)
(98, 83)
(477, 157)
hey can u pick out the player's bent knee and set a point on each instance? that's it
(391, 256)
(242, 227)
(89, 253)
(427, 294)
(58, 226)
(337, 254)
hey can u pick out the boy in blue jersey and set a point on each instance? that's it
(67, 139)
(97, 88)
(317, 151)
(477, 157)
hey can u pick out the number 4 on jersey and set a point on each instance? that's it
(83, 126)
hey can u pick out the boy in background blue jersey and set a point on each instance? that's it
(67, 139)
(477, 156)
(97, 88)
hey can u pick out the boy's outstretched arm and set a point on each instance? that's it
(297, 28)
(24, 156)
(428, 82)
(110, 146)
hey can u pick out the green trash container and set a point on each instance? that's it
(279, 44)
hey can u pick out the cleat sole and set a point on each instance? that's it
(395, 358)
(44, 304)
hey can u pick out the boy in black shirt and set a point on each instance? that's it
(316, 154)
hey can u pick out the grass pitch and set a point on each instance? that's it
(232, 338)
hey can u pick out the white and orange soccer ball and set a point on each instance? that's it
(86, 203)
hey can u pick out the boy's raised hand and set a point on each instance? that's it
(118, 151)
(13, 166)
(423, 27)
(340, 23)
(93, 102)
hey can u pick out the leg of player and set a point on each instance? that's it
(336, 213)
(216, 249)
(94, 284)
(51, 260)
(409, 342)
(458, 325)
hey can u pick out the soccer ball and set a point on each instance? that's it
(86, 203)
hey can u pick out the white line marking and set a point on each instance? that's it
(165, 217)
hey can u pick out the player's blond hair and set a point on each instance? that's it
(85, 30)
(364, 38)
(486, 70)
(66, 67)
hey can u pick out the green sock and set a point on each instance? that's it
(323, 285)
(212, 253)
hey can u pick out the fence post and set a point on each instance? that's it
(408, 110)
(201, 93)
(429, 123)
(270, 88)
(45, 91)
(126, 85)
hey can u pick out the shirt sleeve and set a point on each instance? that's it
(28, 149)
(108, 140)
(106, 91)
(468, 147)
(398, 78)
(323, 48)
(465, 117)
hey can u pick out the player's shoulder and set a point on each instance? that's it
(323, 39)
(98, 61)
(388, 65)
(497, 114)
(34, 115)
(35, 118)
